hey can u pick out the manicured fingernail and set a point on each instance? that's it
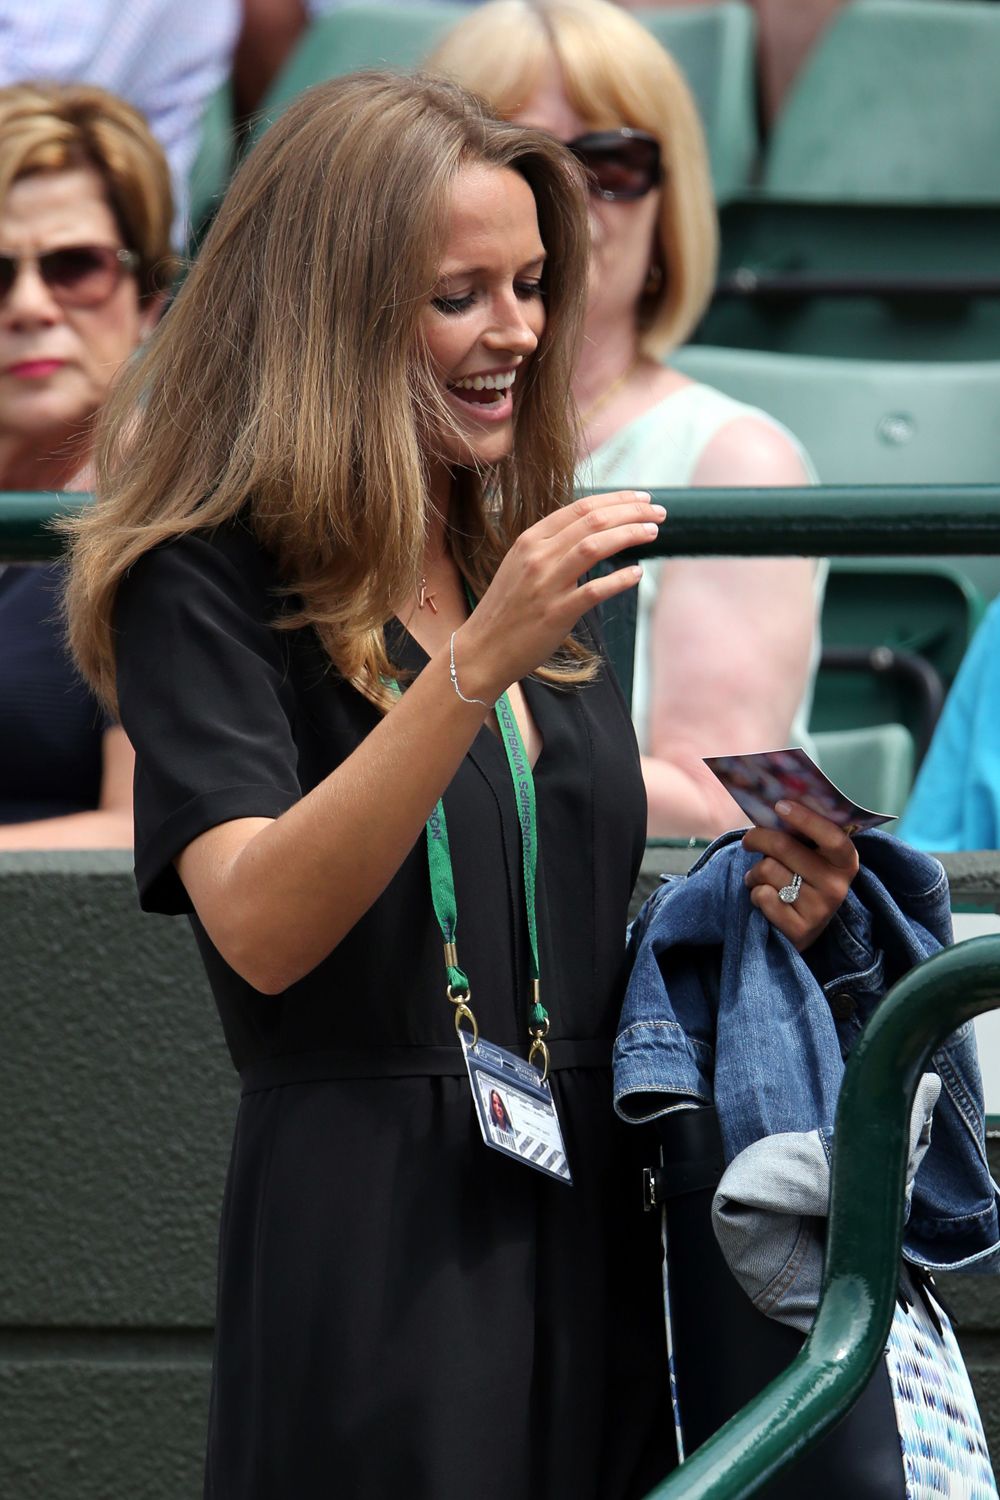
(642, 494)
(660, 510)
(650, 528)
(636, 572)
(783, 809)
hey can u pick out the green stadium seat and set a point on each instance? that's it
(714, 45)
(894, 634)
(874, 765)
(874, 421)
(870, 421)
(882, 422)
(359, 36)
(861, 280)
(844, 250)
(213, 164)
(898, 102)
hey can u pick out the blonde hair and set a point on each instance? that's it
(55, 128)
(289, 383)
(614, 73)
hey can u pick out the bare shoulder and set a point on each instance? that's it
(749, 450)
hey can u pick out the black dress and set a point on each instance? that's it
(402, 1310)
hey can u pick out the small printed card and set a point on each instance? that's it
(516, 1110)
(758, 781)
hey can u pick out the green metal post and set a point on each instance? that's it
(864, 1233)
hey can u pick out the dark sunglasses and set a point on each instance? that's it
(76, 275)
(621, 164)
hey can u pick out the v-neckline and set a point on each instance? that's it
(527, 685)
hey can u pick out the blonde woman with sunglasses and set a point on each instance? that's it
(725, 650)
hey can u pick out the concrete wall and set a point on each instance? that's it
(116, 1109)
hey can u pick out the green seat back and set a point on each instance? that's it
(874, 421)
(765, 237)
(870, 421)
(873, 766)
(714, 46)
(213, 164)
(881, 423)
(360, 36)
(922, 606)
(897, 102)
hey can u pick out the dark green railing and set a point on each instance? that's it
(864, 1234)
(857, 521)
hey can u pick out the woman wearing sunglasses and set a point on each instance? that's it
(725, 649)
(85, 211)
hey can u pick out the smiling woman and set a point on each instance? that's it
(487, 313)
(85, 210)
(715, 669)
(348, 574)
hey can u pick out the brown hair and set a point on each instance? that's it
(53, 128)
(615, 72)
(289, 382)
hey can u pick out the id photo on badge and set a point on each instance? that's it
(498, 1107)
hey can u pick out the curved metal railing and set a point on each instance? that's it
(864, 1233)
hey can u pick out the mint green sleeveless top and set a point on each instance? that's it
(660, 450)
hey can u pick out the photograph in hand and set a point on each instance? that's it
(758, 781)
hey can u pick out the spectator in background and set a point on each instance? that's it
(955, 803)
(725, 650)
(166, 57)
(85, 260)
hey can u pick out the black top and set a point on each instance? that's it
(50, 748)
(377, 1258)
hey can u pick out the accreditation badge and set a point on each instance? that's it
(516, 1110)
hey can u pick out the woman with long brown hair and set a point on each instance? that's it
(335, 530)
(712, 669)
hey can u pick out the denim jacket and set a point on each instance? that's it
(720, 1007)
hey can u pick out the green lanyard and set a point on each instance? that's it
(445, 902)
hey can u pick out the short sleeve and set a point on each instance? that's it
(204, 697)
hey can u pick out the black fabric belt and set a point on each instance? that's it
(402, 1062)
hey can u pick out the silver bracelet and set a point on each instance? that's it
(454, 675)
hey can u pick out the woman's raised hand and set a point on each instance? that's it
(825, 872)
(535, 598)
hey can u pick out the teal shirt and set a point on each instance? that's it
(956, 800)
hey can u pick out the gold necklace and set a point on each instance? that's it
(605, 396)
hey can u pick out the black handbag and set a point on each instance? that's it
(725, 1351)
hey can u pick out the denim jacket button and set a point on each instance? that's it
(843, 1006)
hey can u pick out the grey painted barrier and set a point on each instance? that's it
(117, 1102)
(116, 1107)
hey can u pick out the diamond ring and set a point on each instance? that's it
(790, 893)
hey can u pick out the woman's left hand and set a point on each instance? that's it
(826, 872)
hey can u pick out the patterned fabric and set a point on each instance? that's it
(940, 1431)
